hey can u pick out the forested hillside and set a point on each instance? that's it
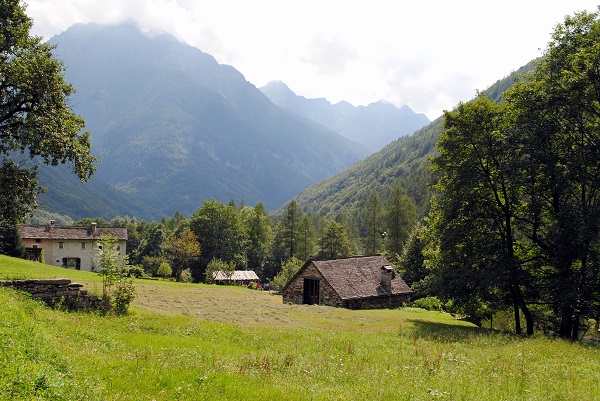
(404, 162)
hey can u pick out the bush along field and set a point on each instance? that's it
(200, 342)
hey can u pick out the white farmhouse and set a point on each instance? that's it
(72, 247)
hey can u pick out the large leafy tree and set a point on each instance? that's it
(518, 217)
(180, 250)
(35, 118)
(558, 124)
(412, 261)
(474, 218)
(220, 230)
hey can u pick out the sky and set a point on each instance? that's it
(426, 54)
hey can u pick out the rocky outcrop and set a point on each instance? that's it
(59, 292)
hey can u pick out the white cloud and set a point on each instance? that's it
(429, 55)
(330, 57)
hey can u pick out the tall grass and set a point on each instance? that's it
(218, 343)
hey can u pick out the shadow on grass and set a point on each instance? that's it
(443, 332)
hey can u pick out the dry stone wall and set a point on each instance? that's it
(58, 292)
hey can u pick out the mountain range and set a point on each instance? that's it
(173, 127)
(373, 126)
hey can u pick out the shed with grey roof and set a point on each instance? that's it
(238, 277)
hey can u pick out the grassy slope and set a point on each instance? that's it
(185, 341)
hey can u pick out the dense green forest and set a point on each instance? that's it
(515, 224)
(245, 237)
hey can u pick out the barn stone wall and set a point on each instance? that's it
(60, 291)
(294, 293)
(381, 302)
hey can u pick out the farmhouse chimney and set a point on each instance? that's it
(387, 274)
(94, 228)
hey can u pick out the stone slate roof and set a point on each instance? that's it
(238, 275)
(70, 233)
(358, 277)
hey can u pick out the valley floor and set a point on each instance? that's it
(199, 342)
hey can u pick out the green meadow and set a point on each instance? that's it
(201, 342)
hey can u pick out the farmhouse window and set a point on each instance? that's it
(61, 245)
(83, 245)
(38, 240)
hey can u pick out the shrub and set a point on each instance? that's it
(114, 273)
(186, 276)
(288, 270)
(123, 295)
(152, 263)
(136, 271)
(164, 270)
(428, 303)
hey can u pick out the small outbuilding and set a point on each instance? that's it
(238, 277)
(363, 282)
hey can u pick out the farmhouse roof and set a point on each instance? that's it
(358, 277)
(53, 232)
(238, 275)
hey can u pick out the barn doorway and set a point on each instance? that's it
(311, 291)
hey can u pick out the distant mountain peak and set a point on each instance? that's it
(276, 84)
(373, 126)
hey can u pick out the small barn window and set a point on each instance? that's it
(83, 245)
(38, 240)
(61, 245)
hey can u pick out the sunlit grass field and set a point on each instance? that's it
(199, 342)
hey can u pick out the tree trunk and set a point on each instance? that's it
(528, 319)
(516, 310)
(566, 322)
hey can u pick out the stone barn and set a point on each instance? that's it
(363, 282)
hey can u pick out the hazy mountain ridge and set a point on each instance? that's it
(173, 127)
(404, 161)
(373, 126)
